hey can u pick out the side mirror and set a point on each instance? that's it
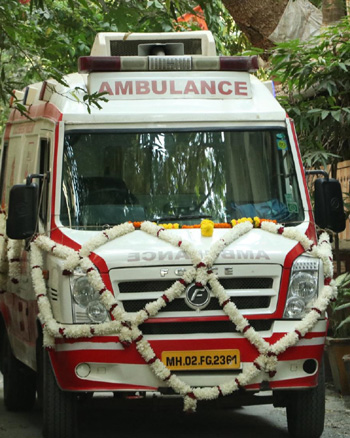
(329, 205)
(22, 214)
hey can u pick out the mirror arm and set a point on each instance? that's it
(30, 177)
(317, 172)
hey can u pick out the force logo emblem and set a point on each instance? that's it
(197, 298)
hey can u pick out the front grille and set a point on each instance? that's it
(200, 327)
(130, 48)
(179, 305)
(257, 301)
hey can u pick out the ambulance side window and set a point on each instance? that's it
(44, 166)
(2, 174)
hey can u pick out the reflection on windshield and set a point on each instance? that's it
(114, 177)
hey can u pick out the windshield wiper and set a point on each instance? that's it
(179, 217)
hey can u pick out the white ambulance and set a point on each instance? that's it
(163, 240)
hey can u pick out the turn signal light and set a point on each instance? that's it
(88, 64)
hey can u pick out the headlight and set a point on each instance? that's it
(88, 308)
(303, 287)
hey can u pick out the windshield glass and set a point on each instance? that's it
(113, 177)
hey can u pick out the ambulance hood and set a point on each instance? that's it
(141, 249)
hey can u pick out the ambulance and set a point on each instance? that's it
(158, 239)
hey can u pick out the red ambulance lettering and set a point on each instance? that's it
(125, 88)
(172, 88)
(155, 88)
(206, 86)
(142, 87)
(222, 87)
(191, 88)
(241, 89)
(105, 87)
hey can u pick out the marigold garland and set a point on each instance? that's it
(255, 221)
(127, 329)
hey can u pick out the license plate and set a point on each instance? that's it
(202, 360)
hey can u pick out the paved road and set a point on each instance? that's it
(104, 420)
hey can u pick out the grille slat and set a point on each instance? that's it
(145, 286)
(227, 283)
(179, 305)
(200, 327)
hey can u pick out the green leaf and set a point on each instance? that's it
(336, 115)
(314, 111)
(344, 322)
(84, 3)
(343, 66)
(343, 306)
(342, 279)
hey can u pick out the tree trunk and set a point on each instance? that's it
(257, 19)
(332, 11)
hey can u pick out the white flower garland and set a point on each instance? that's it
(127, 328)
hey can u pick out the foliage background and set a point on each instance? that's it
(315, 79)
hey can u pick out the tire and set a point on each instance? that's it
(306, 410)
(19, 381)
(59, 407)
(39, 370)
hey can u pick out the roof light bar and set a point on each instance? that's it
(239, 63)
(89, 64)
(170, 63)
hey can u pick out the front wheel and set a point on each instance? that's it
(59, 407)
(306, 410)
(19, 381)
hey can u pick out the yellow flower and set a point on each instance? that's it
(207, 228)
(256, 222)
(169, 226)
(245, 219)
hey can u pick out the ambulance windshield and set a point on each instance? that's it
(110, 177)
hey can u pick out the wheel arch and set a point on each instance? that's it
(39, 342)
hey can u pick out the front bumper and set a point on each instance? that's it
(104, 364)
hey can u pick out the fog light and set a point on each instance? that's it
(295, 308)
(96, 311)
(82, 370)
